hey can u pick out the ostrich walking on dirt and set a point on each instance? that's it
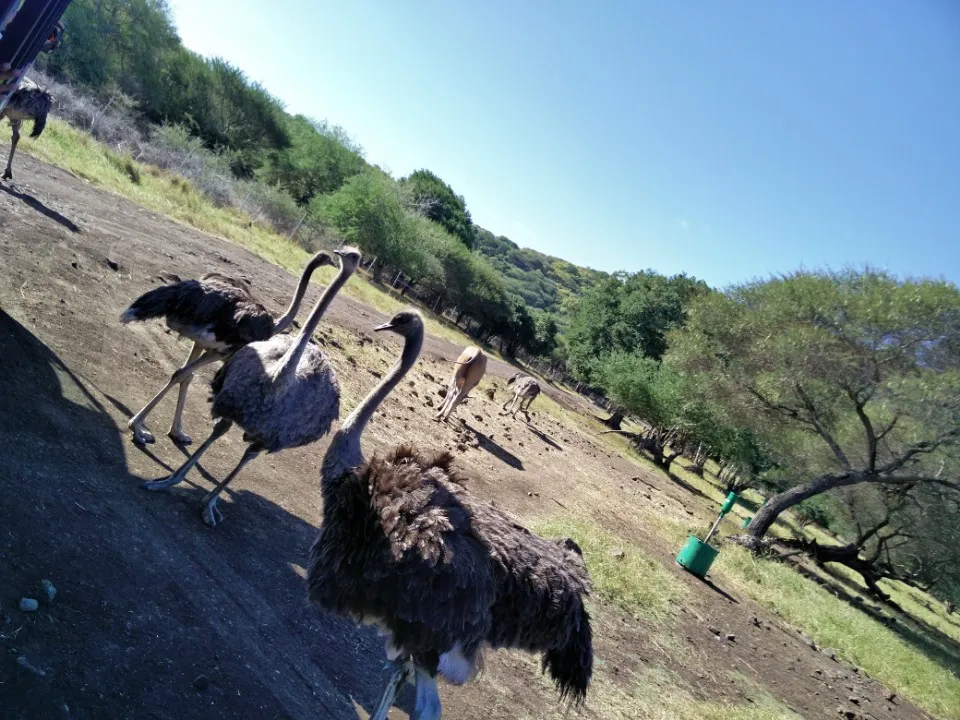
(282, 392)
(525, 391)
(470, 367)
(220, 315)
(29, 102)
(405, 547)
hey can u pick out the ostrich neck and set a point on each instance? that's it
(288, 363)
(286, 320)
(345, 452)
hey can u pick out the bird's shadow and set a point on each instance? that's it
(35, 204)
(501, 453)
(544, 437)
(145, 449)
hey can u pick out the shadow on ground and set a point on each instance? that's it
(172, 600)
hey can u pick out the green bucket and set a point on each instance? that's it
(697, 557)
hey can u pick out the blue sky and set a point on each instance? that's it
(730, 140)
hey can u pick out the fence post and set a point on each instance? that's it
(293, 234)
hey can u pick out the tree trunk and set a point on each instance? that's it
(614, 421)
(776, 504)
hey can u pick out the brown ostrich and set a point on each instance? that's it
(404, 546)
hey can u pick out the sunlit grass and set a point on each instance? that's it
(621, 573)
(858, 638)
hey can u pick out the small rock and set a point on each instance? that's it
(854, 699)
(28, 604)
(113, 264)
(731, 637)
(428, 376)
(830, 653)
(479, 418)
(75, 265)
(49, 589)
(201, 682)
(25, 664)
(461, 447)
(376, 373)
(715, 631)
(428, 402)
(442, 392)
(618, 554)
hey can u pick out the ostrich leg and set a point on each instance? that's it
(210, 514)
(15, 125)
(178, 477)
(194, 362)
(176, 432)
(427, 706)
(403, 672)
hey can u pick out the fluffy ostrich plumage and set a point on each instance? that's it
(405, 546)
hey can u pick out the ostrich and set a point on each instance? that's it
(470, 367)
(525, 391)
(28, 102)
(404, 546)
(282, 392)
(220, 315)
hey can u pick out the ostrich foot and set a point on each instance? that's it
(427, 706)
(7, 174)
(211, 513)
(165, 483)
(179, 436)
(141, 436)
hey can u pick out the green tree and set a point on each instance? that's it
(848, 378)
(318, 161)
(369, 213)
(434, 199)
(628, 313)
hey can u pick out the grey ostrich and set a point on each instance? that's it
(525, 391)
(282, 392)
(28, 102)
(220, 315)
(404, 546)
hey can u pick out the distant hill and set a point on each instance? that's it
(542, 281)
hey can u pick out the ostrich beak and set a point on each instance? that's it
(385, 326)
(338, 253)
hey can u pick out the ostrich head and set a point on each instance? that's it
(349, 258)
(319, 260)
(516, 377)
(405, 323)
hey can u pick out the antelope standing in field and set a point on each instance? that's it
(470, 367)
(525, 391)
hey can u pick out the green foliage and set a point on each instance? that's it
(542, 281)
(318, 161)
(627, 312)
(368, 212)
(434, 199)
(131, 45)
(846, 378)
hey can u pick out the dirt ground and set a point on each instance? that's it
(156, 616)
